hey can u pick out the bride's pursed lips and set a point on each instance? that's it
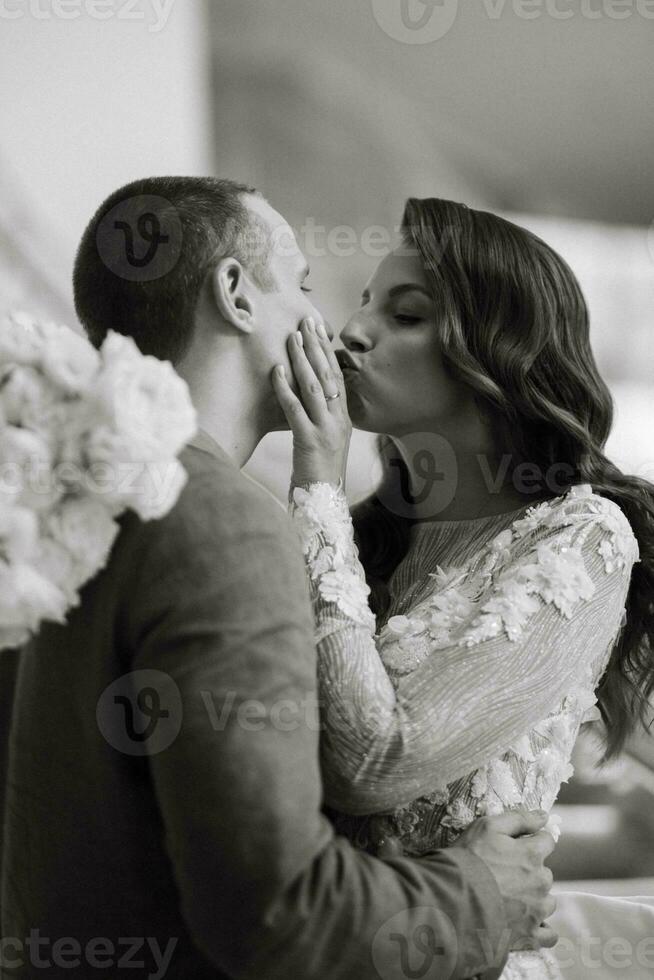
(347, 362)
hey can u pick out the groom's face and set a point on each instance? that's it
(280, 308)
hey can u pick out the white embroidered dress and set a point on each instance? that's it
(470, 698)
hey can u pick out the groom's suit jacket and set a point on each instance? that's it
(163, 798)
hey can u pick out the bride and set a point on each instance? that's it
(499, 592)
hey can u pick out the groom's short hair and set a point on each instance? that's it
(199, 220)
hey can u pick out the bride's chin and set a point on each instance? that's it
(355, 407)
(362, 411)
(360, 417)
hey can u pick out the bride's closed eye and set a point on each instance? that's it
(407, 319)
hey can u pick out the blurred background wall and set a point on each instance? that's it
(86, 106)
(339, 111)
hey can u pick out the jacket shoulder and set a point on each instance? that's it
(217, 506)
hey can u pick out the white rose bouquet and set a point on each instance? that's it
(84, 435)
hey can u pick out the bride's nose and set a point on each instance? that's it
(356, 337)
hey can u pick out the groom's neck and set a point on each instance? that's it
(239, 442)
(233, 422)
(229, 411)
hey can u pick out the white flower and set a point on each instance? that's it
(403, 625)
(19, 530)
(587, 705)
(553, 826)
(550, 763)
(459, 815)
(479, 785)
(559, 578)
(156, 489)
(323, 510)
(322, 503)
(560, 729)
(149, 416)
(26, 597)
(501, 545)
(448, 609)
(508, 609)
(85, 529)
(68, 359)
(26, 469)
(322, 521)
(323, 560)
(523, 749)
(30, 401)
(64, 409)
(57, 564)
(403, 655)
(344, 587)
(70, 423)
(533, 519)
(581, 490)
(445, 578)
(439, 796)
(27, 397)
(622, 545)
(149, 487)
(567, 772)
(19, 342)
(501, 781)
(612, 561)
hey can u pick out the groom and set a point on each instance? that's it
(163, 807)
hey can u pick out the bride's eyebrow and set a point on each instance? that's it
(408, 287)
(400, 290)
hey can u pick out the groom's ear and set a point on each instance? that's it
(232, 293)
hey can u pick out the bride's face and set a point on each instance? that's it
(397, 383)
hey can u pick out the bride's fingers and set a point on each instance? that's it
(317, 357)
(332, 360)
(310, 387)
(297, 418)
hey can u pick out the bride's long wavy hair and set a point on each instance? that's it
(513, 325)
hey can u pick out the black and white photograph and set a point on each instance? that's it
(327, 490)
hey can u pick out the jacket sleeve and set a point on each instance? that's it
(546, 617)
(265, 887)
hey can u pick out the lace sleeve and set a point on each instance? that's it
(550, 609)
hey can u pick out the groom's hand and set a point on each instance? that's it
(514, 846)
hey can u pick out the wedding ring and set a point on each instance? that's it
(331, 398)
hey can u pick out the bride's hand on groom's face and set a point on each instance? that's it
(317, 415)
